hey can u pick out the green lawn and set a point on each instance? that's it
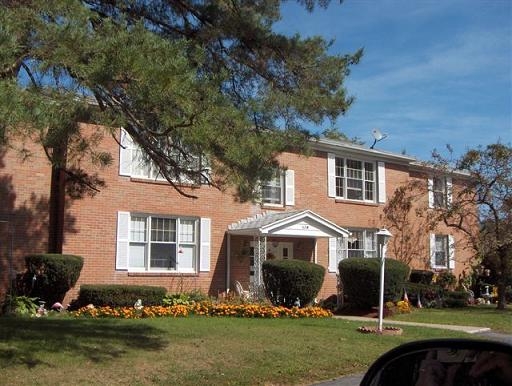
(188, 351)
(482, 316)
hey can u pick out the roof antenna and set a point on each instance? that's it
(377, 136)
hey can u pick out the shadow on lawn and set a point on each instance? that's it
(26, 341)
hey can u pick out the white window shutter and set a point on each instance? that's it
(381, 176)
(449, 193)
(333, 255)
(430, 186)
(123, 240)
(125, 154)
(204, 256)
(432, 250)
(451, 252)
(290, 187)
(331, 175)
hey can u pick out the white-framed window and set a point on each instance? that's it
(149, 243)
(280, 190)
(362, 243)
(439, 191)
(272, 192)
(442, 251)
(353, 179)
(134, 163)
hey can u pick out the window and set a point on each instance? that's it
(442, 251)
(362, 243)
(354, 179)
(272, 191)
(439, 192)
(280, 190)
(134, 163)
(162, 243)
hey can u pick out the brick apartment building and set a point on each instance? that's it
(139, 230)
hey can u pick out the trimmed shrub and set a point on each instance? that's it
(421, 276)
(287, 280)
(361, 280)
(455, 299)
(429, 294)
(49, 276)
(446, 279)
(114, 295)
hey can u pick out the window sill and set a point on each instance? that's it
(344, 201)
(159, 182)
(162, 274)
(272, 207)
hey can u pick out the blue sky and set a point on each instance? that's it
(433, 73)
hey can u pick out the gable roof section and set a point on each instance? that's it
(303, 223)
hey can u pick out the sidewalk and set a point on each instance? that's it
(467, 329)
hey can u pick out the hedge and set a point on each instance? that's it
(455, 299)
(287, 280)
(361, 280)
(115, 295)
(49, 276)
(421, 276)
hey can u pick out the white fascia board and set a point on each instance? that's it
(346, 147)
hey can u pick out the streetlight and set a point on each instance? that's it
(383, 237)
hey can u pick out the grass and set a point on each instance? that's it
(481, 316)
(189, 351)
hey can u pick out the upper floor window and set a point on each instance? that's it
(358, 180)
(355, 180)
(135, 163)
(272, 192)
(280, 190)
(439, 192)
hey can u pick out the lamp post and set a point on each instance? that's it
(383, 237)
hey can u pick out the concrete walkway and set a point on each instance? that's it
(355, 379)
(467, 329)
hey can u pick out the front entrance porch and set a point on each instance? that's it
(282, 235)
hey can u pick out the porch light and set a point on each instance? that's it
(383, 237)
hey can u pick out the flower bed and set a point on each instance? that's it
(385, 330)
(205, 309)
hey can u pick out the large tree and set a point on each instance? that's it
(489, 189)
(184, 78)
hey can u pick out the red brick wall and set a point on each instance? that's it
(91, 222)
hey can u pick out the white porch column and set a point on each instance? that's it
(260, 253)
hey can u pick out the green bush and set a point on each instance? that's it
(287, 280)
(20, 305)
(421, 276)
(361, 280)
(119, 295)
(429, 294)
(455, 299)
(446, 279)
(184, 298)
(49, 276)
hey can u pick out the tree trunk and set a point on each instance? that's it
(501, 304)
(57, 201)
